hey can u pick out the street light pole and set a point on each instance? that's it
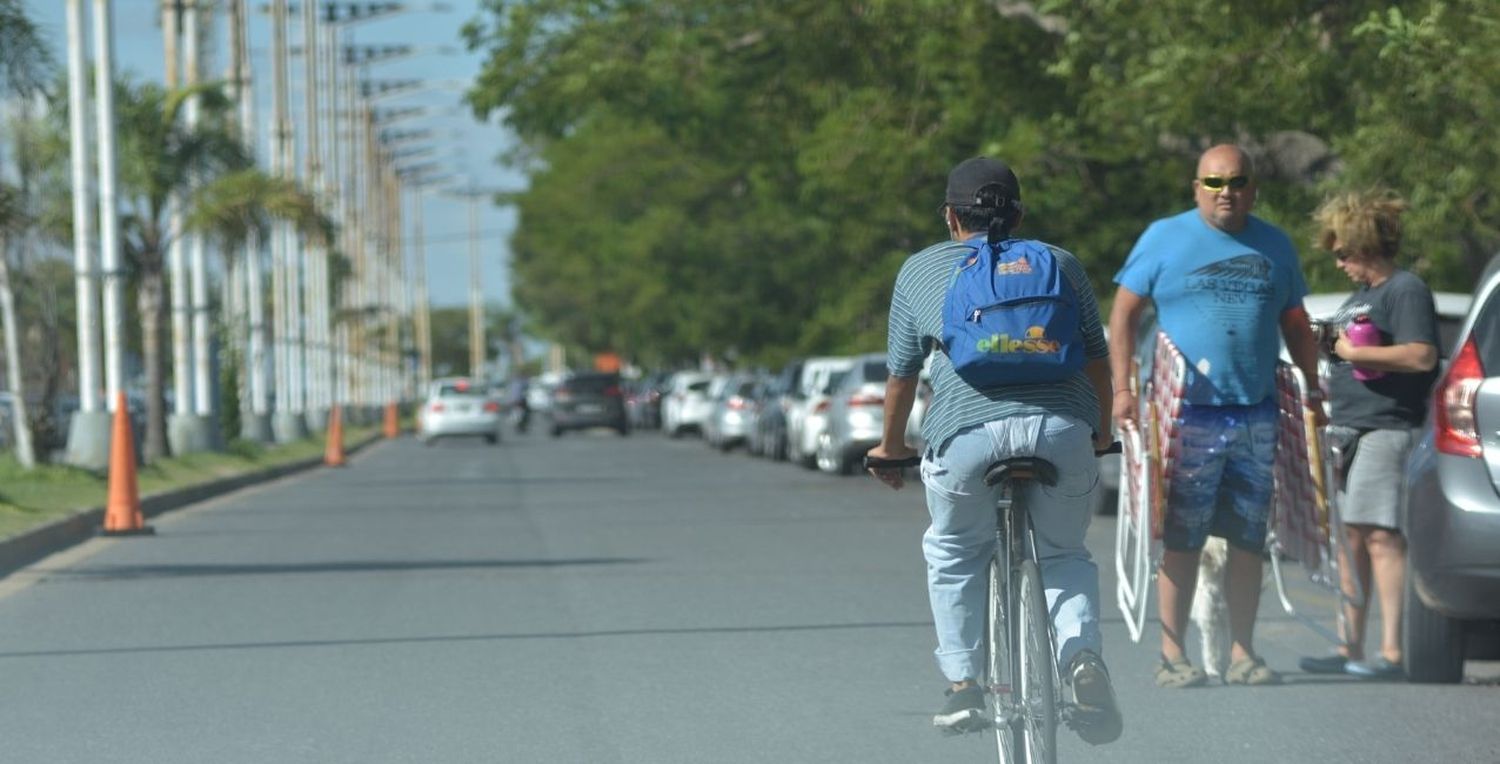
(205, 433)
(88, 432)
(257, 426)
(109, 221)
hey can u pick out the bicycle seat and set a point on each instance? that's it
(1021, 468)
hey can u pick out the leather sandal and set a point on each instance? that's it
(1179, 674)
(1251, 671)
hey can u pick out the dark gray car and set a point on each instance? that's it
(588, 400)
(1451, 512)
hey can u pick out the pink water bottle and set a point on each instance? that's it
(1363, 333)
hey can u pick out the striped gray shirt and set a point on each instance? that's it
(916, 328)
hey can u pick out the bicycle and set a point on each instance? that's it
(1024, 715)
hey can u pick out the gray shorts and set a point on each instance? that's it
(1372, 492)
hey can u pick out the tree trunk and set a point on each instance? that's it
(149, 299)
(19, 419)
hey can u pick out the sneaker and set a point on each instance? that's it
(1326, 664)
(964, 711)
(1380, 668)
(1096, 715)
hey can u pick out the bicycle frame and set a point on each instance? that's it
(1015, 542)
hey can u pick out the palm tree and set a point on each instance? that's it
(159, 157)
(24, 63)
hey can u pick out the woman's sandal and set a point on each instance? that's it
(1179, 674)
(1251, 671)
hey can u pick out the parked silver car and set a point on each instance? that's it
(855, 416)
(732, 413)
(1451, 508)
(686, 404)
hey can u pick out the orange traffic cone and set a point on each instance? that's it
(333, 454)
(122, 511)
(392, 424)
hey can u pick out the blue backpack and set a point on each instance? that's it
(1011, 317)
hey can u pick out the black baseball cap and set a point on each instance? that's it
(992, 176)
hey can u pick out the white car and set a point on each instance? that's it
(457, 407)
(686, 405)
(807, 416)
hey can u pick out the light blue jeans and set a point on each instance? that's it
(961, 540)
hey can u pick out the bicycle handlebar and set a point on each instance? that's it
(873, 463)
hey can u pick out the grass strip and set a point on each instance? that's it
(30, 498)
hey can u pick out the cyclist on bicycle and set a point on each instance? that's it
(967, 429)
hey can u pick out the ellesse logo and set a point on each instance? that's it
(1035, 341)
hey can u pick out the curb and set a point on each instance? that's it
(27, 547)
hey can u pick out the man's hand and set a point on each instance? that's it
(1125, 407)
(892, 478)
(1103, 440)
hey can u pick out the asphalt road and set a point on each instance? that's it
(590, 599)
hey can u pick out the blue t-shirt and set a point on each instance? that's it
(1220, 297)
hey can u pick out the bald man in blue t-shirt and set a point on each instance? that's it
(1226, 287)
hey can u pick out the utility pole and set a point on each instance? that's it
(256, 426)
(109, 222)
(180, 427)
(204, 428)
(88, 432)
(288, 423)
(315, 291)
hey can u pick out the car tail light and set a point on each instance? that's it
(613, 391)
(737, 403)
(821, 407)
(437, 408)
(866, 399)
(1456, 432)
(562, 394)
(491, 406)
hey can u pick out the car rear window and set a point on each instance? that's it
(700, 387)
(874, 371)
(1487, 335)
(592, 383)
(457, 390)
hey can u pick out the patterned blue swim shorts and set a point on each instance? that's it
(1222, 482)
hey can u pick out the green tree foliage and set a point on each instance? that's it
(744, 179)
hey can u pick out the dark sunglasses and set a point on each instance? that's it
(1218, 182)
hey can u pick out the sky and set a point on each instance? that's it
(462, 146)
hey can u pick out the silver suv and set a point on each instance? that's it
(1451, 512)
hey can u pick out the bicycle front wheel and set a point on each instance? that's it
(1035, 676)
(1002, 684)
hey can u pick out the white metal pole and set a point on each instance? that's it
(279, 254)
(109, 222)
(177, 269)
(203, 398)
(316, 251)
(85, 265)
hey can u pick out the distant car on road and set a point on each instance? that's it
(584, 400)
(729, 421)
(1451, 510)
(459, 407)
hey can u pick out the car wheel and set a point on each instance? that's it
(623, 430)
(492, 439)
(557, 431)
(1432, 643)
(824, 458)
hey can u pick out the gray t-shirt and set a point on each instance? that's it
(1401, 308)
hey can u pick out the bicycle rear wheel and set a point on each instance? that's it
(1001, 683)
(1036, 680)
